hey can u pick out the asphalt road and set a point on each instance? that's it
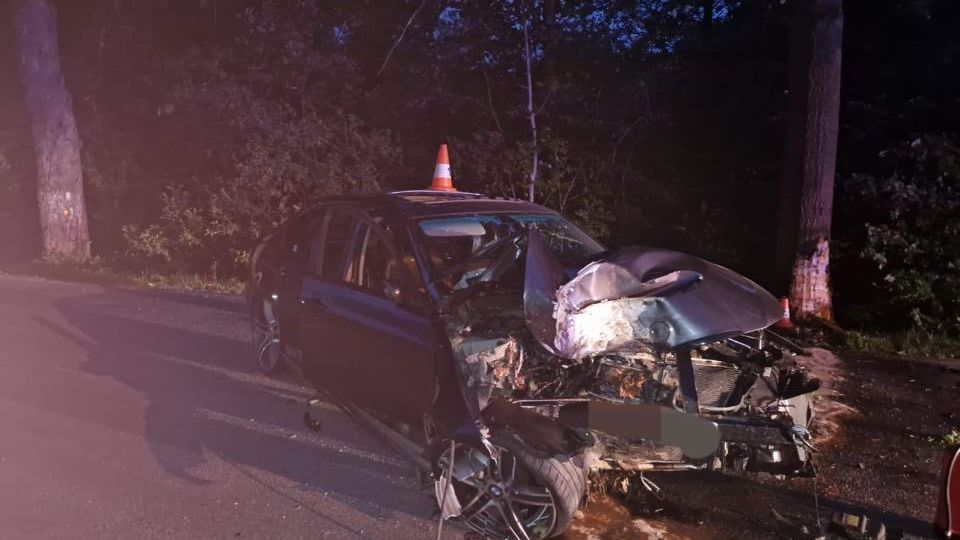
(138, 414)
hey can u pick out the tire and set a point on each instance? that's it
(519, 496)
(566, 480)
(267, 349)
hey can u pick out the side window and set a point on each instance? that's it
(408, 272)
(372, 263)
(331, 245)
(377, 267)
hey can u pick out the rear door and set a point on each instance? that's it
(322, 350)
(296, 241)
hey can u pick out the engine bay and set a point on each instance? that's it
(751, 386)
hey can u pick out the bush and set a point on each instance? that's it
(283, 140)
(912, 236)
(575, 185)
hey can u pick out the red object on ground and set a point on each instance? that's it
(948, 505)
(442, 181)
(785, 323)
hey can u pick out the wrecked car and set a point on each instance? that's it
(508, 354)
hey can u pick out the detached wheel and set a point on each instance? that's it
(521, 497)
(266, 337)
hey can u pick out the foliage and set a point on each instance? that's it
(906, 342)
(912, 236)
(952, 439)
(96, 270)
(572, 183)
(656, 127)
(289, 105)
(289, 144)
(190, 282)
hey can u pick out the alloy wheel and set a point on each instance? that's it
(496, 497)
(266, 338)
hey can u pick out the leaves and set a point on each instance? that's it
(914, 237)
(205, 125)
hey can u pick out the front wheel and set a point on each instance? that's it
(266, 337)
(518, 496)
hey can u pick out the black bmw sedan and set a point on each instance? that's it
(507, 353)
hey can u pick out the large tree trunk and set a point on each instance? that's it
(810, 157)
(63, 216)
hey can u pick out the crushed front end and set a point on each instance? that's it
(644, 360)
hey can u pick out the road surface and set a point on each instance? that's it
(138, 414)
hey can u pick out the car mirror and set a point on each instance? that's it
(392, 292)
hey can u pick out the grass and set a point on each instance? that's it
(951, 439)
(909, 342)
(190, 282)
(94, 270)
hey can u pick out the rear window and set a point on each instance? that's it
(339, 231)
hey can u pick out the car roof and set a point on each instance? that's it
(417, 204)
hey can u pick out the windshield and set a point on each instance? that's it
(461, 248)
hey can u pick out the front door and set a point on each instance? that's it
(374, 340)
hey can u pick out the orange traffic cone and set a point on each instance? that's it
(785, 323)
(442, 181)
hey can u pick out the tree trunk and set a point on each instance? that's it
(63, 216)
(532, 116)
(810, 156)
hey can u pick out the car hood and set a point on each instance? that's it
(638, 297)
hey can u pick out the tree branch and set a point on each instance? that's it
(400, 37)
(566, 196)
(616, 147)
(545, 100)
(493, 110)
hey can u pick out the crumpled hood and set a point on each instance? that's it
(638, 297)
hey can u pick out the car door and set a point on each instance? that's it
(376, 323)
(296, 241)
(323, 364)
(395, 353)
